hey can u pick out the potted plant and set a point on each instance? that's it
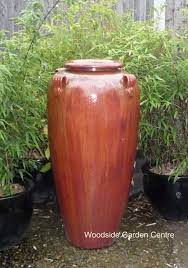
(21, 120)
(15, 188)
(17, 139)
(165, 142)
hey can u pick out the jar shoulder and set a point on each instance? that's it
(96, 77)
(97, 82)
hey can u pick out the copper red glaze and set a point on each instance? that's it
(93, 116)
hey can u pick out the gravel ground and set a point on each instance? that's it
(45, 245)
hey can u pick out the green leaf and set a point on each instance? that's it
(47, 153)
(47, 167)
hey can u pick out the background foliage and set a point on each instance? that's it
(88, 29)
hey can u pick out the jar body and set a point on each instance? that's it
(93, 126)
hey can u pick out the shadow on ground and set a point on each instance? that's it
(45, 245)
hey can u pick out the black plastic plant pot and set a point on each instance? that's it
(168, 197)
(15, 216)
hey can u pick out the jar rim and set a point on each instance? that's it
(93, 65)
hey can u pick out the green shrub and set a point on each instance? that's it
(86, 29)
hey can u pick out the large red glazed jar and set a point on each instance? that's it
(93, 116)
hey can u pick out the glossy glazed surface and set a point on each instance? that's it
(93, 126)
